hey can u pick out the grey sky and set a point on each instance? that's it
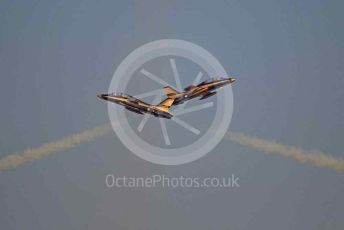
(55, 56)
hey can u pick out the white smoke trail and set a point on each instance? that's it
(68, 142)
(270, 147)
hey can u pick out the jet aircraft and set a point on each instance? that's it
(137, 106)
(204, 90)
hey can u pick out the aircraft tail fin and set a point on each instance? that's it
(167, 103)
(170, 92)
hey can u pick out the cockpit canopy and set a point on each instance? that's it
(121, 95)
(212, 80)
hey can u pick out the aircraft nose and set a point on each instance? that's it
(232, 79)
(101, 96)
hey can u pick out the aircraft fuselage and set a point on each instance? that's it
(203, 90)
(137, 106)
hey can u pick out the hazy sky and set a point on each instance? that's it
(55, 56)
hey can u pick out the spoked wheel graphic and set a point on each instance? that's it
(196, 128)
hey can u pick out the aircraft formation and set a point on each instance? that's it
(203, 90)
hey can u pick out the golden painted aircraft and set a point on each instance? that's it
(204, 90)
(137, 106)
